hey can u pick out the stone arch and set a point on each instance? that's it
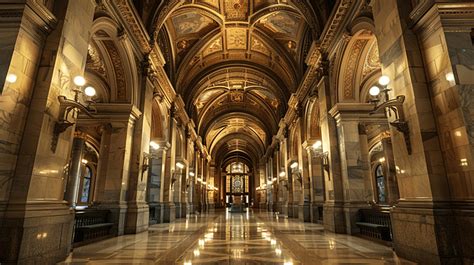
(158, 122)
(312, 127)
(111, 64)
(359, 64)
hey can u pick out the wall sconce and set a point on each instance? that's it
(317, 152)
(154, 145)
(67, 106)
(390, 105)
(294, 165)
(146, 162)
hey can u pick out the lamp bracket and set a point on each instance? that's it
(396, 105)
(66, 106)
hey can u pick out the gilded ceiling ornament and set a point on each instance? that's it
(236, 38)
(236, 9)
(94, 62)
(182, 44)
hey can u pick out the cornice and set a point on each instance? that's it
(133, 24)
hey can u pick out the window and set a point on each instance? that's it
(380, 183)
(86, 185)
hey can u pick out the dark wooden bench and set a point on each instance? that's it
(91, 225)
(375, 223)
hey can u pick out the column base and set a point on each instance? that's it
(270, 207)
(36, 233)
(154, 213)
(317, 212)
(117, 215)
(295, 210)
(333, 217)
(290, 210)
(184, 209)
(168, 212)
(433, 232)
(177, 206)
(351, 216)
(304, 212)
(137, 218)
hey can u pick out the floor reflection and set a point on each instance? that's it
(235, 238)
(238, 238)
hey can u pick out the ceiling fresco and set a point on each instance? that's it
(190, 23)
(236, 64)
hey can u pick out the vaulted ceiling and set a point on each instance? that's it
(235, 63)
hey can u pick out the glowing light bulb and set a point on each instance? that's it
(450, 77)
(154, 145)
(374, 91)
(11, 78)
(79, 80)
(179, 165)
(90, 91)
(384, 80)
(282, 174)
(317, 144)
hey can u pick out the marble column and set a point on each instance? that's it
(75, 170)
(353, 147)
(114, 168)
(169, 208)
(155, 184)
(36, 48)
(138, 210)
(304, 196)
(333, 213)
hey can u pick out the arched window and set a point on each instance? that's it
(380, 183)
(86, 185)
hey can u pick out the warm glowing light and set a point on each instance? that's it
(154, 145)
(282, 174)
(450, 77)
(191, 174)
(179, 165)
(79, 80)
(317, 144)
(84, 161)
(384, 80)
(374, 91)
(197, 253)
(458, 133)
(288, 263)
(464, 162)
(273, 242)
(11, 78)
(188, 263)
(201, 242)
(294, 164)
(382, 159)
(278, 251)
(90, 91)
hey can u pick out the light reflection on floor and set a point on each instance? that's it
(238, 238)
(235, 238)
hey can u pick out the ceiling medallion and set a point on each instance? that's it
(183, 44)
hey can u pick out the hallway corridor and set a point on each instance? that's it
(234, 238)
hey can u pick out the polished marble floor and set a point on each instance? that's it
(235, 238)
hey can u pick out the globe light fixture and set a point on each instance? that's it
(450, 77)
(154, 145)
(374, 91)
(384, 80)
(179, 165)
(90, 91)
(79, 80)
(11, 78)
(294, 165)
